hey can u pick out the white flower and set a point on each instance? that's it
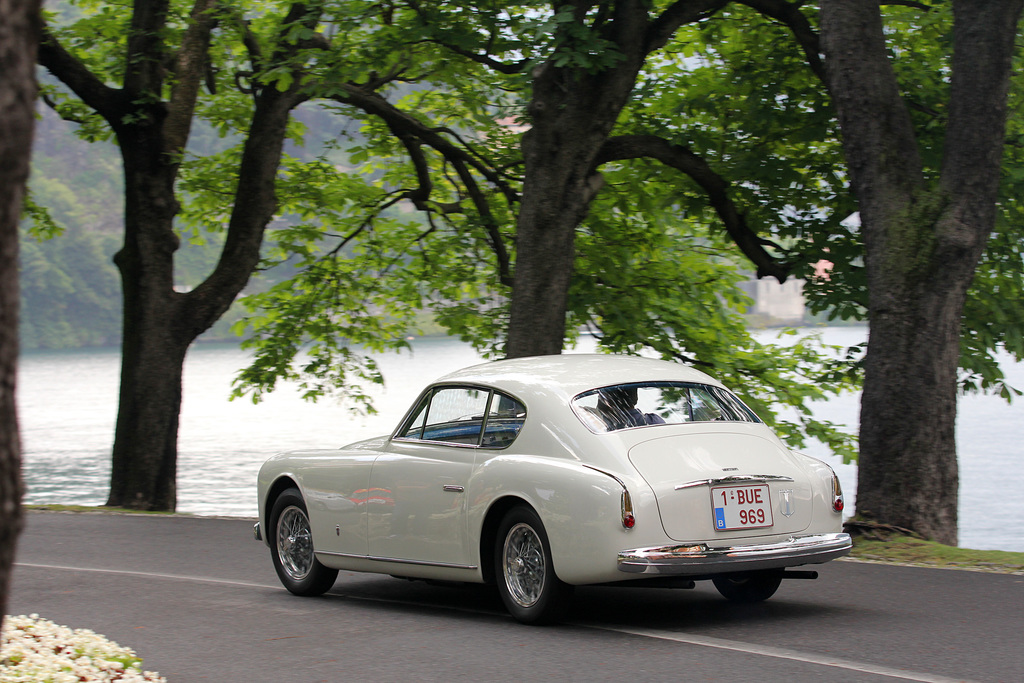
(34, 649)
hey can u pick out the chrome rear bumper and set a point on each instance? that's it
(699, 558)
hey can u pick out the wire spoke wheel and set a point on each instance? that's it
(526, 578)
(294, 543)
(291, 540)
(523, 565)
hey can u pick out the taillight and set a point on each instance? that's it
(628, 520)
(837, 494)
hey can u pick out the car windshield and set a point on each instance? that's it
(624, 406)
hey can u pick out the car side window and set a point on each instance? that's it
(505, 418)
(467, 416)
(455, 415)
(413, 429)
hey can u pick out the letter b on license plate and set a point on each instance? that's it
(741, 507)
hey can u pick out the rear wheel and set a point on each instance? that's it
(752, 587)
(292, 548)
(525, 575)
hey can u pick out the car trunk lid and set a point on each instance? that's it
(713, 481)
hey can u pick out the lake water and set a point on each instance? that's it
(68, 401)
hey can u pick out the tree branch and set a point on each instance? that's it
(144, 60)
(485, 59)
(108, 102)
(461, 162)
(255, 193)
(789, 13)
(402, 123)
(490, 224)
(907, 3)
(680, 12)
(683, 159)
(189, 71)
(249, 39)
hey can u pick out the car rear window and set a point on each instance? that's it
(624, 406)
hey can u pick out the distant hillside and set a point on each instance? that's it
(70, 288)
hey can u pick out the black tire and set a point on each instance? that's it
(524, 572)
(748, 588)
(291, 547)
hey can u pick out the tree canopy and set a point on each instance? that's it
(524, 172)
(135, 74)
(730, 121)
(654, 267)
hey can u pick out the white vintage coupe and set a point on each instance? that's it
(540, 474)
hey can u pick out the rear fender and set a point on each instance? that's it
(581, 509)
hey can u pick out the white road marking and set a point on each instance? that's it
(780, 653)
(676, 636)
(147, 575)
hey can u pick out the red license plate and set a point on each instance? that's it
(741, 507)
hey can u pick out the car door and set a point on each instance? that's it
(426, 470)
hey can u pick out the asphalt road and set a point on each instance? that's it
(198, 600)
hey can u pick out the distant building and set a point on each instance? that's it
(783, 303)
(775, 304)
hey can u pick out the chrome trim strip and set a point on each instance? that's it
(626, 507)
(425, 442)
(453, 488)
(626, 503)
(607, 474)
(396, 560)
(734, 479)
(699, 558)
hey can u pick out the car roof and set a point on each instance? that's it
(570, 374)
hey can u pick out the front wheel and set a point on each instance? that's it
(292, 548)
(526, 577)
(752, 587)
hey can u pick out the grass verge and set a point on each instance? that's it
(97, 509)
(890, 545)
(920, 553)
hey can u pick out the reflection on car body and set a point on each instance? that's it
(541, 474)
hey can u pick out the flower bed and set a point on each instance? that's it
(35, 649)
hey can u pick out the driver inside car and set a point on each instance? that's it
(617, 406)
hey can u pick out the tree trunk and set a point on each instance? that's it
(572, 113)
(152, 348)
(152, 355)
(144, 462)
(558, 157)
(19, 35)
(922, 245)
(908, 464)
(159, 323)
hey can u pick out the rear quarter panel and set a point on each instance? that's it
(580, 507)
